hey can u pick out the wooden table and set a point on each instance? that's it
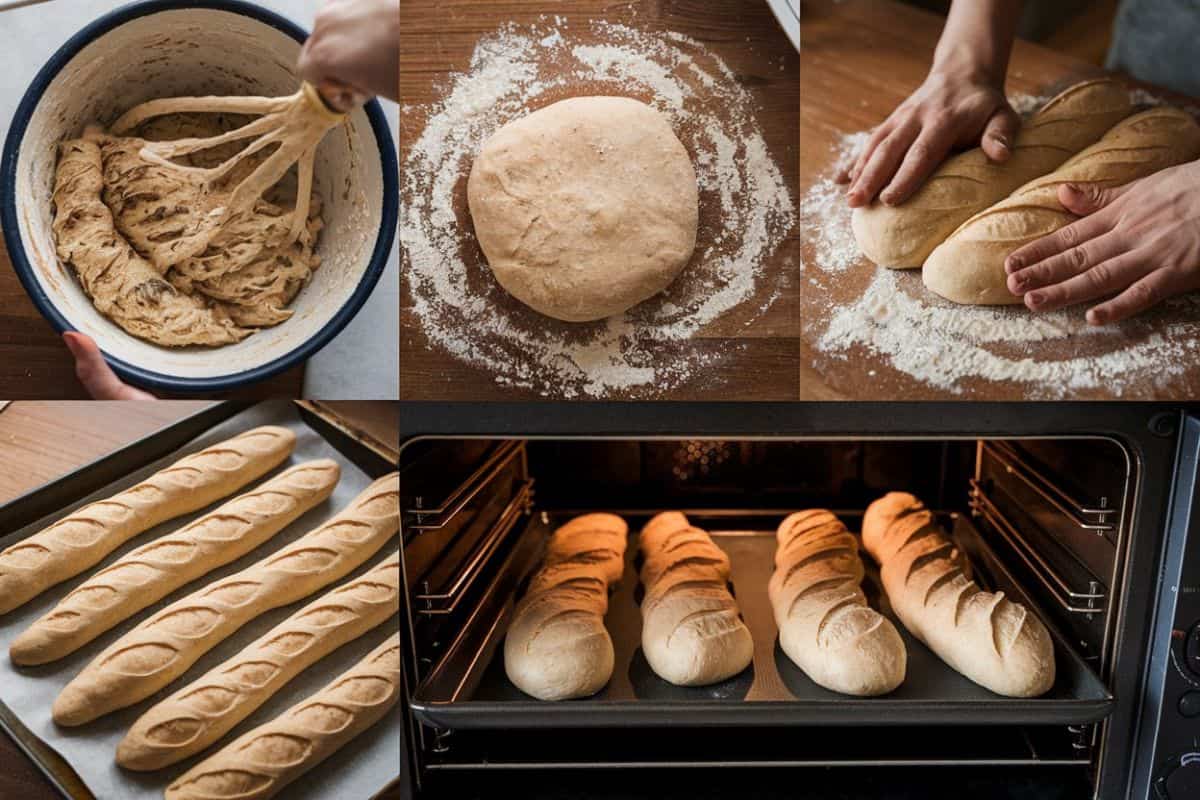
(437, 39)
(35, 364)
(860, 59)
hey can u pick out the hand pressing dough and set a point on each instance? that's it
(585, 208)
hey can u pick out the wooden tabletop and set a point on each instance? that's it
(859, 60)
(755, 361)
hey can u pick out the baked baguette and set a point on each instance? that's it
(85, 536)
(825, 625)
(557, 646)
(969, 266)
(692, 633)
(903, 236)
(993, 641)
(202, 712)
(261, 763)
(151, 572)
(168, 643)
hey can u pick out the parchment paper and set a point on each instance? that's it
(359, 771)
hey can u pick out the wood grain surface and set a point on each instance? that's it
(753, 362)
(860, 59)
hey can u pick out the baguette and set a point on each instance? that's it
(84, 537)
(261, 763)
(557, 646)
(825, 625)
(903, 236)
(202, 712)
(692, 633)
(995, 642)
(969, 266)
(167, 644)
(151, 572)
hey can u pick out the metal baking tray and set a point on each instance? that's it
(469, 688)
(85, 480)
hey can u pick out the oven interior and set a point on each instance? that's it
(1043, 519)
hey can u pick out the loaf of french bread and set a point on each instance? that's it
(985, 636)
(557, 646)
(151, 572)
(81, 539)
(825, 625)
(165, 645)
(904, 235)
(968, 267)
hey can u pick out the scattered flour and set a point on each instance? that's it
(946, 345)
(746, 211)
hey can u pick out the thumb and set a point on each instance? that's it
(95, 374)
(1000, 133)
(1082, 199)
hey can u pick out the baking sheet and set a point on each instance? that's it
(360, 770)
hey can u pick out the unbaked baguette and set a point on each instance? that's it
(692, 632)
(202, 712)
(557, 646)
(151, 572)
(825, 625)
(903, 236)
(969, 266)
(81, 539)
(165, 645)
(993, 641)
(261, 763)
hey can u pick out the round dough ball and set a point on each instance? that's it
(585, 208)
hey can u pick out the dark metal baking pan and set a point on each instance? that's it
(469, 688)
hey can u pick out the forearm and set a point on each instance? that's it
(978, 38)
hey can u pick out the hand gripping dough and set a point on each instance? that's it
(585, 208)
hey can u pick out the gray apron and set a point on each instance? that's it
(1158, 41)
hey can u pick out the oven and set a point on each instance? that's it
(1084, 512)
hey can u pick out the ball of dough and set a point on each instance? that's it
(585, 208)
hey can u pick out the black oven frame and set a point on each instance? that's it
(1163, 440)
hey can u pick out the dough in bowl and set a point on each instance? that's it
(585, 208)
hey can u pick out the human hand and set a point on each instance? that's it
(950, 109)
(95, 374)
(355, 43)
(1139, 242)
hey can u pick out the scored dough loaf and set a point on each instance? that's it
(261, 763)
(202, 712)
(151, 572)
(825, 625)
(985, 636)
(692, 631)
(969, 266)
(903, 236)
(81, 539)
(557, 646)
(165, 645)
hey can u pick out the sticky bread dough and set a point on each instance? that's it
(586, 207)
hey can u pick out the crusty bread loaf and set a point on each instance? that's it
(81, 539)
(557, 646)
(692, 632)
(165, 645)
(151, 572)
(904, 235)
(968, 267)
(825, 625)
(261, 763)
(202, 712)
(993, 641)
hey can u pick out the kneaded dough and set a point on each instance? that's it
(585, 208)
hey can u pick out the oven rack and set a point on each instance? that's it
(1096, 518)
(467, 688)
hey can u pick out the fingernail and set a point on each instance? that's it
(1001, 140)
(1034, 299)
(1094, 317)
(1013, 264)
(888, 198)
(1020, 284)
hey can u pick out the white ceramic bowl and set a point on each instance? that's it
(163, 48)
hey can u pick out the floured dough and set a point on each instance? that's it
(586, 207)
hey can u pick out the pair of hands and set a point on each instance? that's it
(1136, 244)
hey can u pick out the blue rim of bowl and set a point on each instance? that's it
(155, 380)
